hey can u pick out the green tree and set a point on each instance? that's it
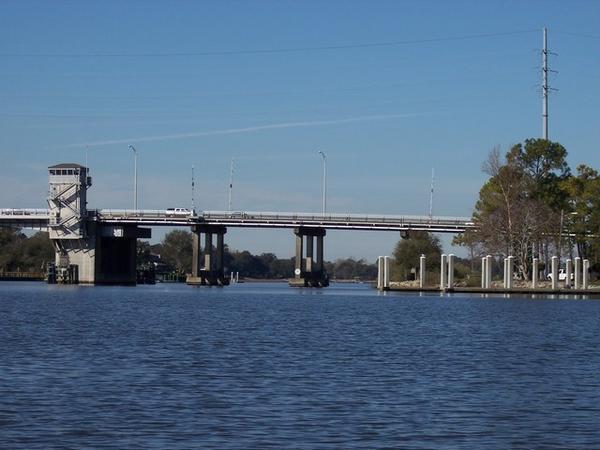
(408, 251)
(177, 250)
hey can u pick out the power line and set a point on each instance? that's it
(267, 51)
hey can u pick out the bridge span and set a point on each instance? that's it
(98, 246)
(39, 219)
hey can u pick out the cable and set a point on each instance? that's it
(264, 51)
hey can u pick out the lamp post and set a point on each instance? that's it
(134, 176)
(324, 157)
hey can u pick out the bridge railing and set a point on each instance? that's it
(23, 212)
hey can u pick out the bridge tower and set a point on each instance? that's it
(87, 251)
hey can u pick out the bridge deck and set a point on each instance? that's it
(39, 218)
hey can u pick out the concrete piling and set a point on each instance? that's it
(586, 270)
(535, 272)
(569, 264)
(422, 271)
(483, 272)
(577, 273)
(488, 272)
(509, 272)
(386, 272)
(450, 271)
(505, 283)
(443, 272)
(554, 272)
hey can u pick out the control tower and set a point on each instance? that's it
(87, 251)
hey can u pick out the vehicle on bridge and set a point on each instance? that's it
(179, 212)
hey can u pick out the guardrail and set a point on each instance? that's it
(24, 212)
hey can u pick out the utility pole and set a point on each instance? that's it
(193, 184)
(135, 155)
(230, 183)
(545, 86)
(324, 180)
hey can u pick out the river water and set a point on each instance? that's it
(266, 366)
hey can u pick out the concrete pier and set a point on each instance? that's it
(577, 273)
(569, 266)
(586, 274)
(308, 270)
(535, 272)
(207, 262)
(422, 271)
(450, 284)
(488, 271)
(554, 272)
(483, 272)
(443, 271)
(510, 272)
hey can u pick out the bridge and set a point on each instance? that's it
(98, 246)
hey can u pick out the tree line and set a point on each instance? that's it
(532, 205)
(175, 252)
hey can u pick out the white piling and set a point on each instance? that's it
(380, 273)
(586, 270)
(509, 271)
(422, 271)
(505, 283)
(577, 273)
(569, 273)
(386, 272)
(535, 272)
(483, 272)
(443, 272)
(450, 271)
(554, 272)
(488, 272)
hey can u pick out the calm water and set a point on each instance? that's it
(265, 366)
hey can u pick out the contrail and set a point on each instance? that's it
(251, 129)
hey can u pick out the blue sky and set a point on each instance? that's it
(199, 83)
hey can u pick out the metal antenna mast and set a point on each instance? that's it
(230, 182)
(431, 195)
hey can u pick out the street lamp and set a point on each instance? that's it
(324, 180)
(134, 176)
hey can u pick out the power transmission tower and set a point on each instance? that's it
(546, 89)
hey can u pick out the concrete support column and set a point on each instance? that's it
(555, 272)
(320, 260)
(535, 273)
(586, 273)
(309, 253)
(577, 273)
(220, 255)
(483, 272)
(196, 253)
(488, 272)
(299, 267)
(208, 261)
(510, 271)
(422, 271)
(569, 267)
(450, 271)
(443, 272)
